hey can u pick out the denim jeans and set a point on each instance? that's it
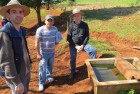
(73, 54)
(2, 72)
(25, 83)
(45, 67)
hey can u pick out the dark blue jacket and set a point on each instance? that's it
(16, 39)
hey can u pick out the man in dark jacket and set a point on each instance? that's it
(14, 55)
(78, 36)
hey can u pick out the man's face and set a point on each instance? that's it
(77, 18)
(16, 15)
(49, 23)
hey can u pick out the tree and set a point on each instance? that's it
(47, 2)
(35, 4)
(3, 2)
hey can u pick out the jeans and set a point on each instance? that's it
(25, 83)
(2, 72)
(45, 67)
(73, 54)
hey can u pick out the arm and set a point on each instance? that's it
(37, 46)
(37, 42)
(7, 62)
(7, 59)
(58, 37)
(86, 34)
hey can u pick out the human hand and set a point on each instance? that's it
(78, 48)
(39, 56)
(19, 88)
(81, 47)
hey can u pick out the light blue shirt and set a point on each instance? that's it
(48, 38)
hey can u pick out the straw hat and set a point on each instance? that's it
(76, 11)
(14, 4)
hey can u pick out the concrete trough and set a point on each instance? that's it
(110, 84)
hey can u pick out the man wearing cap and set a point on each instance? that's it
(14, 59)
(78, 36)
(46, 38)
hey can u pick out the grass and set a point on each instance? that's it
(123, 21)
(131, 91)
(104, 47)
(110, 3)
(33, 15)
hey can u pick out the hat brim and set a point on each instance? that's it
(81, 13)
(4, 9)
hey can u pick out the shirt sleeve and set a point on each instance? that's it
(58, 37)
(86, 34)
(38, 33)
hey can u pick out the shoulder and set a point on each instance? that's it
(83, 23)
(4, 28)
(40, 29)
(54, 28)
(71, 24)
(4, 36)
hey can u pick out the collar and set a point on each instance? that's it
(13, 32)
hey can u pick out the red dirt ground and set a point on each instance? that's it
(81, 85)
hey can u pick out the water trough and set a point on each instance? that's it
(104, 81)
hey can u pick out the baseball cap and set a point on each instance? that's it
(49, 17)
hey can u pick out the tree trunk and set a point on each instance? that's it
(39, 17)
(38, 13)
(48, 5)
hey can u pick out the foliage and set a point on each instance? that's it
(3, 2)
(35, 4)
(131, 91)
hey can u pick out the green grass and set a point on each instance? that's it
(30, 17)
(103, 47)
(124, 22)
(131, 91)
(110, 3)
(33, 15)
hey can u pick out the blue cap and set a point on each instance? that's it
(49, 17)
